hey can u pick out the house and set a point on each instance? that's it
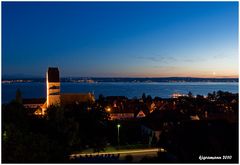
(151, 132)
(76, 98)
(34, 104)
(121, 115)
(131, 110)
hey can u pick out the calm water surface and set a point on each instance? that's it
(161, 89)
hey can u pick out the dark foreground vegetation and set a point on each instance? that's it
(27, 138)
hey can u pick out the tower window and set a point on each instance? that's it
(55, 93)
(55, 87)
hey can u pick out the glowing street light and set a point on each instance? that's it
(118, 126)
(109, 109)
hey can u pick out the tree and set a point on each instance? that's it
(190, 94)
(144, 97)
(101, 99)
(15, 113)
(149, 98)
(28, 139)
(19, 96)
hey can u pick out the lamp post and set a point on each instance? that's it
(118, 126)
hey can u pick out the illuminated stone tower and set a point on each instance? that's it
(53, 86)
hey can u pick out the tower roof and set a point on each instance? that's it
(53, 75)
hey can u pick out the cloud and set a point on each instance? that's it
(220, 56)
(154, 59)
(157, 59)
(192, 60)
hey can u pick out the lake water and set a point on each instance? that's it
(161, 89)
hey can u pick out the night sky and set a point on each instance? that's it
(121, 39)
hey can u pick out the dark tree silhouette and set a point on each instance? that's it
(19, 96)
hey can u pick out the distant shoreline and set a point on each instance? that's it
(130, 79)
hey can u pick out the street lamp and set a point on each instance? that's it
(109, 109)
(118, 126)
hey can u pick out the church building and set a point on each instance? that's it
(54, 95)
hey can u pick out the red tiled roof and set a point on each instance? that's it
(78, 97)
(34, 101)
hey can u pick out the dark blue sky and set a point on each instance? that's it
(121, 39)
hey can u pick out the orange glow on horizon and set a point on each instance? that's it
(175, 71)
(152, 75)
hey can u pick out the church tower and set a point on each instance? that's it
(53, 86)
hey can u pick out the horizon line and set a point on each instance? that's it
(24, 77)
